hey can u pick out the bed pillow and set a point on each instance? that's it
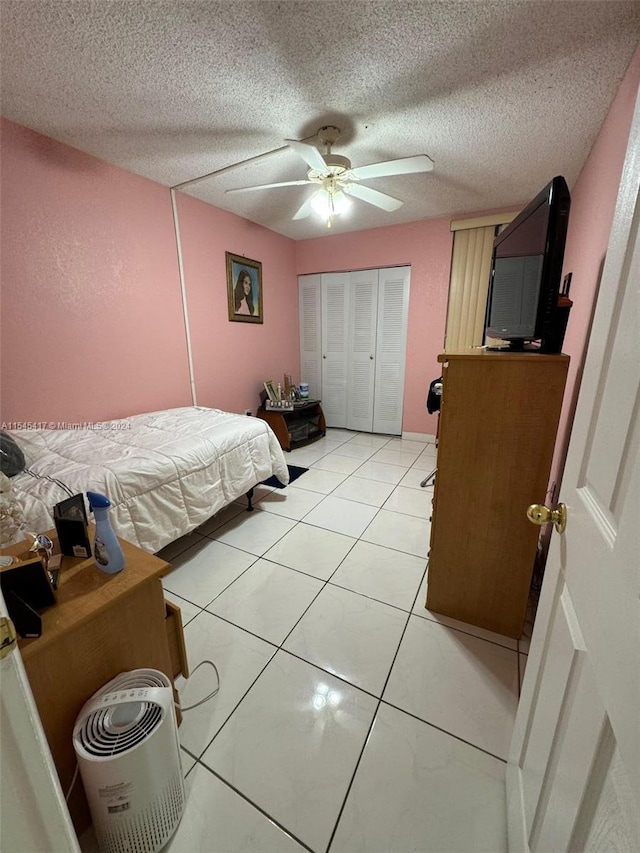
(11, 457)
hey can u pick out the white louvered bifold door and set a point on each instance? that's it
(363, 303)
(309, 291)
(393, 310)
(335, 347)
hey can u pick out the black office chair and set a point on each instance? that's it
(434, 398)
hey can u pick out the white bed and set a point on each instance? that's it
(165, 472)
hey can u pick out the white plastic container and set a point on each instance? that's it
(107, 553)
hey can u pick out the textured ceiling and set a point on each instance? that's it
(501, 95)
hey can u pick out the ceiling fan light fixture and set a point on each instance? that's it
(335, 180)
(330, 202)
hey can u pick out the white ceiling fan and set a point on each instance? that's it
(336, 180)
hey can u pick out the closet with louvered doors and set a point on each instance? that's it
(353, 332)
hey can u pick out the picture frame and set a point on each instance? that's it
(272, 394)
(244, 289)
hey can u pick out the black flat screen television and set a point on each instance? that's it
(525, 306)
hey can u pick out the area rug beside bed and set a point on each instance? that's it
(294, 472)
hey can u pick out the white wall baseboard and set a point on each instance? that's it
(425, 437)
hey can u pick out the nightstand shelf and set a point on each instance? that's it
(298, 427)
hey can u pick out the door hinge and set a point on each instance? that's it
(7, 636)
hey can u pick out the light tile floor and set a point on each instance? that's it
(349, 718)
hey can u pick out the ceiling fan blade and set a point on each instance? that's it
(304, 210)
(269, 186)
(404, 166)
(386, 202)
(309, 153)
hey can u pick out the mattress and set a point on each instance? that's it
(164, 472)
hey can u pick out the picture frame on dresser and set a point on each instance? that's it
(270, 388)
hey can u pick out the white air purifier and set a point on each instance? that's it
(126, 743)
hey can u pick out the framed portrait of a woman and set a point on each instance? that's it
(244, 289)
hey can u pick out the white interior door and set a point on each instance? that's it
(390, 356)
(34, 813)
(309, 292)
(573, 778)
(363, 310)
(335, 347)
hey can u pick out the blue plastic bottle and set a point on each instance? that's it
(107, 552)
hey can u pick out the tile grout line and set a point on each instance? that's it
(383, 505)
(330, 582)
(277, 647)
(254, 805)
(281, 648)
(359, 538)
(440, 729)
(302, 521)
(325, 672)
(368, 597)
(375, 716)
(369, 731)
(243, 696)
(325, 583)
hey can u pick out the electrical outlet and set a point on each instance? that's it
(247, 412)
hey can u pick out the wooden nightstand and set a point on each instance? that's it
(294, 428)
(101, 625)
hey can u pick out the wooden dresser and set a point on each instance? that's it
(101, 625)
(498, 423)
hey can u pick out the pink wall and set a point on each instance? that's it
(426, 246)
(90, 280)
(593, 201)
(91, 316)
(231, 360)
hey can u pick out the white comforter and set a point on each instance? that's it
(164, 472)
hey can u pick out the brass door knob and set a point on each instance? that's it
(539, 514)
